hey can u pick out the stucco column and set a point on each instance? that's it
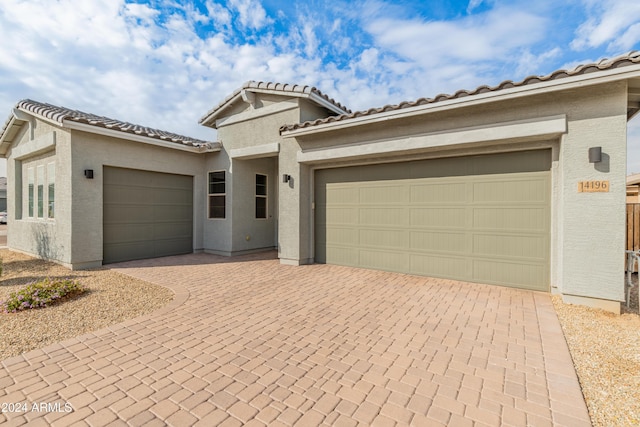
(294, 205)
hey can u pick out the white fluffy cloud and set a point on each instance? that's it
(251, 13)
(615, 23)
(165, 63)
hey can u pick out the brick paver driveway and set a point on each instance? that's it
(250, 341)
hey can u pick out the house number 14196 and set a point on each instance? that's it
(593, 186)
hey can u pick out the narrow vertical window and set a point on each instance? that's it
(217, 195)
(261, 196)
(51, 184)
(40, 177)
(30, 181)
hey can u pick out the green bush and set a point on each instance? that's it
(40, 294)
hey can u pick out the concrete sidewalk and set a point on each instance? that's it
(249, 341)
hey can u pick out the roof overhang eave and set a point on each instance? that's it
(572, 82)
(208, 148)
(5, 143)
(210, 119)
(17, 119)
(326, 104)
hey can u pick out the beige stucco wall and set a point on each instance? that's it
(587, 228)
(217, 232)
(249, 127)
(43, 237)
(249, 233)
(592, 225)
(91, 151)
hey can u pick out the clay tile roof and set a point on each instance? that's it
(630, 58)
(60, 114)
(271, 86)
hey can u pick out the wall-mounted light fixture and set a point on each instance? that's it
(286, 178)
(88, 173)
(595, 154)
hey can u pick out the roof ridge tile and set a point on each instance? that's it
(60, 114)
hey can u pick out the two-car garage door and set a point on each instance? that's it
(146, 214)
(477, 218)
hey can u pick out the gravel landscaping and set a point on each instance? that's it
(605, 347)
(111, 298)
(606, 354)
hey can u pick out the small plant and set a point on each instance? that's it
(40, 294)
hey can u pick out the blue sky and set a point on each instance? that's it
(164, 63)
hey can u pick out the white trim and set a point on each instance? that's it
(243, 95)
(41, 199)
(4, 144)
(31, 192)
(50, 180)
(543, 128)
(138, 138)
(17, 112)
(265, 197)
(255, 113)
(326, 104)
(23, 116)
(217, 194)
(255, 152)
(601, 77)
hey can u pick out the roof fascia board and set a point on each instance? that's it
(258, 112)
(28, 118)
(310, 95)
(207, 120)
(572, 82)
(4, 144)
(137, 138)
(244, 96)
(326, 104)
(543, 128)
(21, 112)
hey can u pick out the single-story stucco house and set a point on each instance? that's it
(521, 185)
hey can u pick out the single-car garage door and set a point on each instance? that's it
(146, 214)
(482, 218)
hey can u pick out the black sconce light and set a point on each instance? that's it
(88, 173)
(595, 154)
(286, 178)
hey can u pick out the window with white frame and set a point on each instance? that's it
(40, 183)
(51, 185)
(31, 189)
(217, 195)
(41, 190)
(261, 196)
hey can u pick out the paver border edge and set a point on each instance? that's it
(569, 381)
(181, 295)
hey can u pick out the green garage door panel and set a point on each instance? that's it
(146, 214)
(480, 218)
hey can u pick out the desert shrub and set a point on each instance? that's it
(41, 294)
